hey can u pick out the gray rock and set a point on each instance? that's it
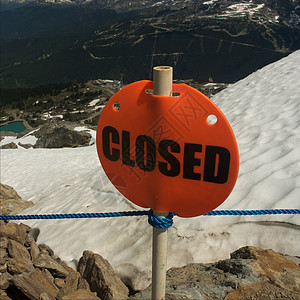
(243, 253)
(10, 201)
(59, 136)
(34, 233)
(251, 273)
(101, 277)
(44, 261)
(238, 267)
(17, 251)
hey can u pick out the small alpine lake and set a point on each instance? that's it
(15, 127)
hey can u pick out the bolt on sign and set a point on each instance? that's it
(175, 154)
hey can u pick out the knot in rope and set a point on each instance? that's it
(156, 222)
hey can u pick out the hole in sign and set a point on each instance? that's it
(117, 105)
(212, 119)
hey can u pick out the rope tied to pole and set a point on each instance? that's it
(156, 222)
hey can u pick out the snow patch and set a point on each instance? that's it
(29, 138)
(94, 102)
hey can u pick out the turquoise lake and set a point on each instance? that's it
(15, 127)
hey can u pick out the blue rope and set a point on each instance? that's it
(165, 222)
(152, 220)
(253, 212)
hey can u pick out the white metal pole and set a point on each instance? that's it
(162, 79)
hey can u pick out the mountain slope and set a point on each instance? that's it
(45, 42)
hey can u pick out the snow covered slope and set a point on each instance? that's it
(264, 112)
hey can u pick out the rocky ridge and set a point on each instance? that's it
(31, 271)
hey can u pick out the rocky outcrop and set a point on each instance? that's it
(9, 146)
(53, 135)
(250, 273)
(101, 277)
(10, 201)
(28, 271)
(31, 271)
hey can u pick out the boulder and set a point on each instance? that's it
(17, 251)
(29, 271)
(59, 136)
(44, 261)
(10, 201)
(101, 277)
(34, 233)
(13, 231)
(33, 284)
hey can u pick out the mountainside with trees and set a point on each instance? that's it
(60, 41)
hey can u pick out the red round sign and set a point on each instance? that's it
(175, 154)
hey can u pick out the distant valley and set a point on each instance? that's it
(62, 41)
